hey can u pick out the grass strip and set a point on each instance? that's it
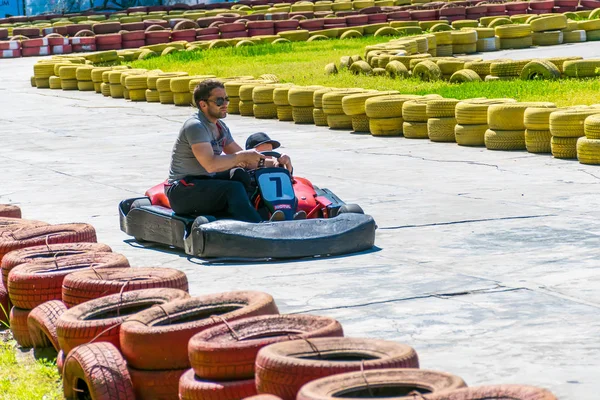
(303, 63)
(26, 380)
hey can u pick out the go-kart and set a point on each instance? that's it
(332, 227)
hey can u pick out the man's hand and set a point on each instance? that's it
(285, 162)
(249, 158)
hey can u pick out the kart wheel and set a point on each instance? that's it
(351, 209)
(140, 203)
(201, 220)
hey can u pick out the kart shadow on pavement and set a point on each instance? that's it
(238, 260)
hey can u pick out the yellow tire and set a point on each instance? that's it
(475, 111)
(166, 97)
(339, 121)
(427, 71)
(280, 96)
(302, 96)
(395, 69)
(516, 43)
(592, 126)
(319, 117)
(360, 123)
(387, 106)
(361, 68)
(263, 94)
(83, 86)
(510, 117)
(508, 68)
(564, 147)
(470, 135)
(284, 113)
(547, 38)
(448, 67)
(386, 126)
(441, 129)
(137, 94)
(116, 90)
(465, 75)
(264, 110)
(354, 104)
(549, 23)
(415, 130)
(540, 70)
(246, 108)
(588, 151)
(580, 68)
(468, 48)
(570, 123)
(513, 31)
(505, 140)
(463, 37)
(443, 108)
(303, 115)
(538, 141)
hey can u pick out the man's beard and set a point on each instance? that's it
(217, 114)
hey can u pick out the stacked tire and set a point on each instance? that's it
(385, 114)
(588, 147)
(263, 104)
(301, 100)
(354, 106)
(506, 125)
(223, 357)
(441, 120)
(566, 127)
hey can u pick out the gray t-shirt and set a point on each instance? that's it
(196, 129)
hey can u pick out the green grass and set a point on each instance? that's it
(303, 63)
(29, 380)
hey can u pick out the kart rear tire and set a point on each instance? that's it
(139, 203)
(351, 209)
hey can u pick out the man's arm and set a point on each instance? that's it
(217, 163)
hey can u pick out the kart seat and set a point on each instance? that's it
(157, 195)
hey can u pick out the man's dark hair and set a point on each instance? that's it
(202, 91)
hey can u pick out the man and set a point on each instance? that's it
(197, 159)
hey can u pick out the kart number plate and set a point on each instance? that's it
(276, 186)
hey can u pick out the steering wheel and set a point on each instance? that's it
(261, 163)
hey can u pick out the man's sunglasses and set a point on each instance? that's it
(219, 101)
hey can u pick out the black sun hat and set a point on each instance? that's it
(259, 138)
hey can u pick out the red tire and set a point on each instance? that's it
(293, 24)
(29, 32)
(108, 39)
(18, 326)
(155, 35)
(5, 47)
(156, 339)
(106, 27)
(48, 253)
(58, 41)
(395, 383)
(78, 48)
(41, 323)
(84, 322)
(260, 25)
(96, 371)
(32, 284)
(312, 24)
(187, 35)
(4, 308)
(363, 19)
(74, 29)
(133, 26)
(228, 352)
(133, 35)
(282, 368)
(60, 362)
(83, 286)
(207, 31)
(231, 35)
(133, 44)
(185, 25)
(193, 388)
(34, 43)
(156, 385)
(62, 49)
(84, 33)
(12, 224)
(62, 233)
(261, 32)
(83, 41)
(208, 37)
(35, 51)
(233, 27)
(512, 392)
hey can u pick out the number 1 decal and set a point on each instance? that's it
(278, 187)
